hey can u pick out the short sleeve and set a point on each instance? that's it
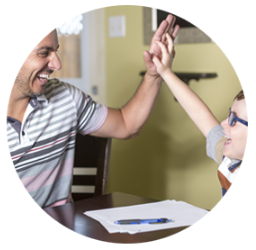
(215, 143)
(90, 114)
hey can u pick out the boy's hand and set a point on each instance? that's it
(168, 53)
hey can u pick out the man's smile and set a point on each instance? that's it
(43, 78)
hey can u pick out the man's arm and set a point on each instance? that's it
(128, 121)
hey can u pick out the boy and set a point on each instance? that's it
(226, 142)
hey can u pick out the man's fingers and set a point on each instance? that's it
(146, 56)
(171, 20)
(148, 61)
(160, 31)
(175, 31)
(165, 26)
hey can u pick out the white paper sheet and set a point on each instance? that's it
(182, 213)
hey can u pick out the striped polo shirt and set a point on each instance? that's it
(42, 146)
(228, 168)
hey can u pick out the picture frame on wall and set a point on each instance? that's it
(188, 32)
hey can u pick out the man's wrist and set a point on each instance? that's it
(153, 78)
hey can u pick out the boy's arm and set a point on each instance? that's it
(189, 100)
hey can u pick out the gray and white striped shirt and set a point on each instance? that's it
(42, 146)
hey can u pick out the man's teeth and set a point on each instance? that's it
(43, 76)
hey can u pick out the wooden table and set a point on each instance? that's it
(71, 215)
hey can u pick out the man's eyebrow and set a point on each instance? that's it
(46, 48)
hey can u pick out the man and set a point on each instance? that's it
(44, 117)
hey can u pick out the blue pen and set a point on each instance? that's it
(144, 221)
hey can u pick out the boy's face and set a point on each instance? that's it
(235, 145)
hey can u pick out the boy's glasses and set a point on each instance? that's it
(232, 119)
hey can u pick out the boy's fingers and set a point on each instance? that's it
(164, 51)
(170, 43)
(156, 61)
(162, 47)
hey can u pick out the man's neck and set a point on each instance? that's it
(17, 105)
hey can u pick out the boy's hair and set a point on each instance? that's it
(239, 96)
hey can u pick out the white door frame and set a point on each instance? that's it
(92, 57)
(96, 51)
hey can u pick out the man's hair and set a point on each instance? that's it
(239, 96)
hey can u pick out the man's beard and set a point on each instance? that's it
(22, 84)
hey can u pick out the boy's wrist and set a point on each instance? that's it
(167, 72)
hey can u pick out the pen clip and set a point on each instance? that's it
(164, 220)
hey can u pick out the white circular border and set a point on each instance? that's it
(229, 24)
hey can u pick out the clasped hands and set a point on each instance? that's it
(161, 49)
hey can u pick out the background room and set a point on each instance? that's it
(168, 159)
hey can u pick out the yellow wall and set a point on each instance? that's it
(168, 160)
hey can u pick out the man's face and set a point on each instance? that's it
(42, 61)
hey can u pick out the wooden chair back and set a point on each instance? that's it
(91, 165)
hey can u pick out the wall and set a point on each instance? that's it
(168, 160)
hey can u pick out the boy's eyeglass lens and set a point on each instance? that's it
(232, 119)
